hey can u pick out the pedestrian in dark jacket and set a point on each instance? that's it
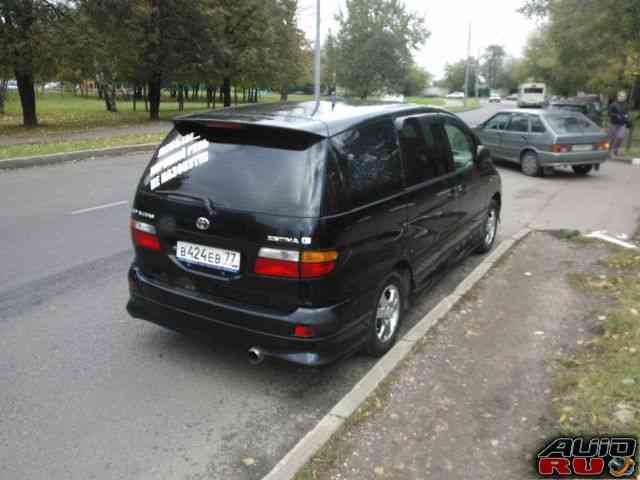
(619, 121)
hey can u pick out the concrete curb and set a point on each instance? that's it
(316, 438)
(40, 160)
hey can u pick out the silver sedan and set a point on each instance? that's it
(539, 139)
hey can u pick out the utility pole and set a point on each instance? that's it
(477, 74)
(317, 57)
(466, 72)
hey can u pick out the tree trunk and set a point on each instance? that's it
(27, 99)
(226, 91)
(3, 93)
(215, 93)
(154, 98)
(196, 93)
(180, 98)
(235, 96)
(221, 93)
(284, 93)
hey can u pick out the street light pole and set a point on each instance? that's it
(317, 57)
(466, 72)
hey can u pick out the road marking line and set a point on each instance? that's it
(602, 235)
(99, 207)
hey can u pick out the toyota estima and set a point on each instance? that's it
(300, 230)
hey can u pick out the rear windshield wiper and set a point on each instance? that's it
(203, 198)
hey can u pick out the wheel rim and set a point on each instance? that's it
(490, 227)
(387, 313)
(530, 165)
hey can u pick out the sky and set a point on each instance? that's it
(492, 22)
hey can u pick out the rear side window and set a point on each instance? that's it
(519, 123)
(536, 125)
(252, 169)
(369, 162)
(425, 157)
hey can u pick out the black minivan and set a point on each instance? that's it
(299, 230)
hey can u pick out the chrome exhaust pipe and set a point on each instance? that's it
(256, 356)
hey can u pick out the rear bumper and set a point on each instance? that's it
(548, 159)
(249, 326)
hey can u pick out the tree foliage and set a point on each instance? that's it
(376, 40)
(585, 45)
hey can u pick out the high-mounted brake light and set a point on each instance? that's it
(274, 262)
(226, 125)
(144, 235)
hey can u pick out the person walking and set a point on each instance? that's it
(618, 122)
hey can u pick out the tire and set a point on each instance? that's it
(530, 164)
(383, 329)
(581, 169)
(489, 228)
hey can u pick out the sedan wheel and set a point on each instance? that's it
(387, 316)
(530, 165)
(581, 169)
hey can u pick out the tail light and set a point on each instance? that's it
(144, 235)
(274, 262)
(560, 148)
(603, 145)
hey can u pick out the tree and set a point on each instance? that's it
(585, 45)
(27, 29)
(290, 47)
(376, 40)
(492, 66)
(329, 64)
(416, 81)
(454, 75)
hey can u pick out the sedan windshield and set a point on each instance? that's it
(563, 123)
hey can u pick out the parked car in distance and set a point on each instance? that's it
(298, 231)
(540, 139)
(456, 95)
(532, 95)
(53, 86)
(12, 85)
(495, 99)
(512, 98)
(591, 109)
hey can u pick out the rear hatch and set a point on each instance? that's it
(577, 131)
(215, 193)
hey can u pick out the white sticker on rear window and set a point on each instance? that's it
(177, 157)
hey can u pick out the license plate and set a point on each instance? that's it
(582, 148)
(208, 256)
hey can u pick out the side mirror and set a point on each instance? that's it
(483, 156)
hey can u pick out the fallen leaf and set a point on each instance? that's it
(249, 461)
(379, 471)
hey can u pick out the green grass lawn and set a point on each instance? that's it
(29, 150)
(598, 389)
(59, 113)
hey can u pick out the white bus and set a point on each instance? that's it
(532, 95)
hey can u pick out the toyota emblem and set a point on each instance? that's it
(203, 223)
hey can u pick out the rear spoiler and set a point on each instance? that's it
(251, 132)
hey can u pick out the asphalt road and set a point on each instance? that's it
(86, 392)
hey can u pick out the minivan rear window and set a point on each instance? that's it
(247, 168)
(534, 90)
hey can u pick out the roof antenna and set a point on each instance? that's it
(317, 60)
